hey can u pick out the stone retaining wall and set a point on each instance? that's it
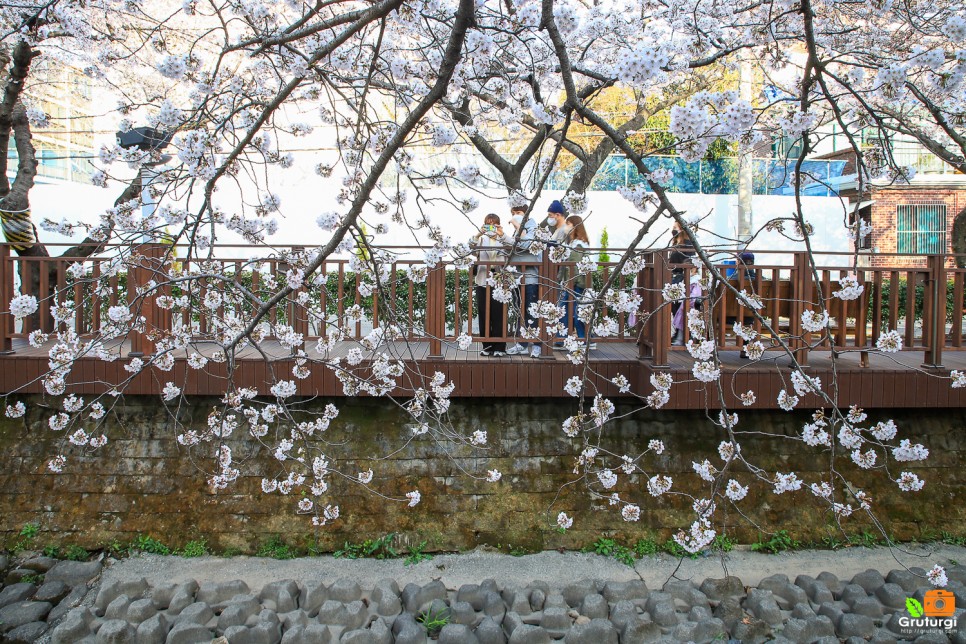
(143, 482)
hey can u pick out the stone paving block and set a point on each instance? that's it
(115, 631)
(598, 631)
(312, 595)
(556, 621)
(574, 593)
(751, 630)
(511, 622)
(494, 607)
(718, 589)
(237, 613)
(529, 634)
(868, 606)
(457, 634)
(73, 600)
(196, 613)
(18, 592)
(117, 609)
(189, 633)
(593, 606)
(729, 611)
(852, 592)
(762, 604)
(882, 636)
(216, 592)
(312, 634)
(640, 631)
(814, 589)
(20, 613)
(293, 618)
(537, 597)
(184, 596)
(891, 595)
(615, 591)
(411, 634)
(786, 593)
(710, 630)
(51, 591)
(555, 600)
(471, 594)
(134, 589)
(140, 610)
(850, 624)
(869, 580)
(904, 579)
(26, 633)
(39, 564)
(462, 613)
(161, 594)
(663, 613)
(346, 590)
(153, 630)
(416, 598)
(489, 632)
(73, 573)
(803, 611)
(623, 612)
(283, 594)
(833, 610)
(74, 627)
(832, 582)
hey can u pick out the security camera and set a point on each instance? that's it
(144, 138)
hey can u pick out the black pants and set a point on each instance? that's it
(495, 327)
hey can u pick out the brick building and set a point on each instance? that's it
(909, 219)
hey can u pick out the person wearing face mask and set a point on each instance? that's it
(681, 253)
(490, 310)
(572, 282)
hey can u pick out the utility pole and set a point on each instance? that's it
(746, 159)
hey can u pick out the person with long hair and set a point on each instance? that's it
(683, 251)
(572, 283)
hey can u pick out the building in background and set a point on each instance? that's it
(66, 146)
(914, 218)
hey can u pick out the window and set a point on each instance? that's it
(921, 228)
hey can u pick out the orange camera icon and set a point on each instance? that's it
(939, 603)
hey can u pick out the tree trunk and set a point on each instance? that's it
(959, 238)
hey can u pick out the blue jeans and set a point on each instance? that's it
(570, 301)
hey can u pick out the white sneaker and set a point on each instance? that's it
(516, 349)
(485, 352)
(498, 354)
(536, 351)
(593, 346)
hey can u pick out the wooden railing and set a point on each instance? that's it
(924, 304)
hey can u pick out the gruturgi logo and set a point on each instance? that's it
(936, 613)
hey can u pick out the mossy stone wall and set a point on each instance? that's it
(143, 482)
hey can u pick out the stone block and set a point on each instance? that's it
(26, 633)
(75, 626)
(117, 609)
(346, 590)
(18, 592)
(891, 595)
(457, 634)
(115, 631)
(574, 593)
(73, 573)
(615, 591)
(134, 589)
(311, 634)
(718, 589)
(237, 613)
(283, 594)
(850, 625)
(188, 633)
(489, 632)
(869, 580)
(196, 613)
(23, 612)
(598, 631)
(762, 605)
(529, 634)
(51, 591)
(153, 630)
(594, 606)
(217, 592)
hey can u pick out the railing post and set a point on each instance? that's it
(147, 261)
(936, 327)
(6, 294)
(436, 309)
(660, 323)
(546, 290)
(801, 297)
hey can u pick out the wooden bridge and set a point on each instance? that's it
(919, 297)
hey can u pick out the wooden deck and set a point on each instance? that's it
(896, 380)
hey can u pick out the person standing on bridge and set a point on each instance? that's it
(681, 253)
(490, 311)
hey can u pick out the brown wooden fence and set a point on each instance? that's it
(923, 304)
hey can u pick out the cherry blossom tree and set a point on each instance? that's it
(396, 82)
